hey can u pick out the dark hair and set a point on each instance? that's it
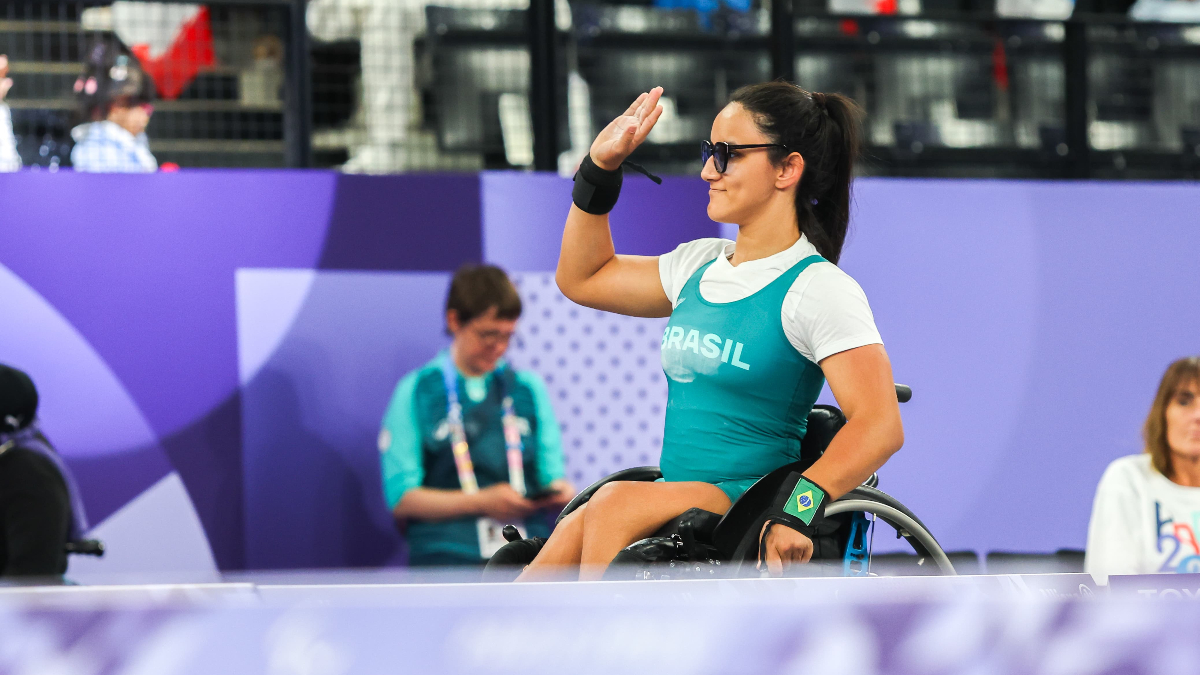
(112, 75)
(825, 130)
(1179, 374)
(18, 399)
(475, 289)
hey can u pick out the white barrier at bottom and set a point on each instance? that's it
(993, 624)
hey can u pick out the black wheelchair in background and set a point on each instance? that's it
(701, 544)
(92, 547)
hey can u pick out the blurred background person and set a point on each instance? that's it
(1146, 514)
(115, 96)
(40, 508)
(469, 443)
(9, 159)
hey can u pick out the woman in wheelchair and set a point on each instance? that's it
(757, 325)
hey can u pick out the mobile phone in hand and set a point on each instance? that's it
(541, 494)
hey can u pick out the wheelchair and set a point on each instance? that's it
(701, 544)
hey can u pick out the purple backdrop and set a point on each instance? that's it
(1032, 319)
(148, 281)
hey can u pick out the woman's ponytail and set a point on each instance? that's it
(826, 130)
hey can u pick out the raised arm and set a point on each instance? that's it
(589, 270)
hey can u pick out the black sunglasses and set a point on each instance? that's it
(721, 150)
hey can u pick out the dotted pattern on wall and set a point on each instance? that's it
(604, 375)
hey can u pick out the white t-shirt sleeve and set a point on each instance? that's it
(676, 267)
(1113, 545)
(826, 312)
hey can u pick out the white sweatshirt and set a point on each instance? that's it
(1142, 522)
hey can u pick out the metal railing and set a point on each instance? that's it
(525, 84)
(230, 79)
(945, 95)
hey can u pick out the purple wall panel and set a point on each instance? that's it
(1032, 319)
(522, 217)
(311, 414)
(952, 283)
(418, 222)
(83, 407)
(603, 374)
(143, 267)
(1113, 309)
(653, 219)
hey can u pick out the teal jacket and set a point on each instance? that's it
(414, 444)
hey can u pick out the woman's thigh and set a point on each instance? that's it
(635, 510)
(565, 542)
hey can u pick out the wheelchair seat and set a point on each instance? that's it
(731, 540)
(823, 424)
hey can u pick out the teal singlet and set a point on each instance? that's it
(739, 393)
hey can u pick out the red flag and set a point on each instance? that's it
(1000, 65)
(173, 42)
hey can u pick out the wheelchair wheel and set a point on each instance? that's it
(907, 526)
(833, 544)
(667, 555)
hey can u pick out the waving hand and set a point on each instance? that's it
(589, 270)
(624, 134)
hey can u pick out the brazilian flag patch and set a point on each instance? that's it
(804, 501)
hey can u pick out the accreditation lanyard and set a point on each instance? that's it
(515, 449)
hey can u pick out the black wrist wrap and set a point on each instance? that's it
(596, 190)
(802, 508)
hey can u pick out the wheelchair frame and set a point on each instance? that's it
(866, 498)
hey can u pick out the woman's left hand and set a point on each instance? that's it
(785, 546)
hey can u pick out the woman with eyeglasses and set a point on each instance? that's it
(115, 101)
(470, 444)
(757, 325)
